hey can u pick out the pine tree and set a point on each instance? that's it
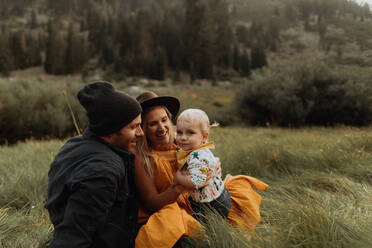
(61, 7)
(245, 65)
(33, 20)
(18, 50)
(5, 63)
(157, 65)
(367, 11)
(242, 35)
(273, 34)
(223, 33)
(108, 51)
(3, 9)
(276, 11)
(74, 51)
(290, 12)
(171, 40)
(236, 58)
(125, 39)
(304, 7)
(256, 34)
(199, 39)
(142, 41)
(96, 25)
(33, 50)
(258, 56)
(176, 75)
(54, 61)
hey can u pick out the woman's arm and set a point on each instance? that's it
(182, 177)
(149, 196)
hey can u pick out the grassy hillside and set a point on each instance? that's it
(334, 30)
(320, 188)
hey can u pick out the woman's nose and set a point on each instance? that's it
(161, 126)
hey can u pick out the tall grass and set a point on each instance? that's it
(320, 191)
(23, 182)
(320, 183)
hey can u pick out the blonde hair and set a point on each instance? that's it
(199, 116)
(144, 145)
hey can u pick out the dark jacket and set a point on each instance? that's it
(91, 195)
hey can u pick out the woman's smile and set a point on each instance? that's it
(158, 126)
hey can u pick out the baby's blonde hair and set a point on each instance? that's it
(199, 116)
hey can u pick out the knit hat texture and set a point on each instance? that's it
(108, 110)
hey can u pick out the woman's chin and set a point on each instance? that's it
(164, 140)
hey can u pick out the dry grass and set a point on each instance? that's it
(320, 188)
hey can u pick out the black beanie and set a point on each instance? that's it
(108, 110)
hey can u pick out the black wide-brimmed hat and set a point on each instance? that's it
(149, 99)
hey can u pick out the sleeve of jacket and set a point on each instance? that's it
(94, 190)
(198, 166)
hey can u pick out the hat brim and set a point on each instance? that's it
(171, 103)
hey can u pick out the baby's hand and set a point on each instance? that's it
(177, 147)
(218, 167)
(209, 176)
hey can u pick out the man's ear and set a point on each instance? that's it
(107, 138)
(205, 136)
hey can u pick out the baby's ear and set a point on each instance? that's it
(205, 136)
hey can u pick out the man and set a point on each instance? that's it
(91, 192)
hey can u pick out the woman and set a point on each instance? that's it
(157, 176)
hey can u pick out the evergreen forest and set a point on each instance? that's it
(205, 39)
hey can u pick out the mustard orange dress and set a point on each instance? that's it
(165, 227)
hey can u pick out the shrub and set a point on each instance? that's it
(225, 74)
(298, 45)
(309, 94)
(36, 109)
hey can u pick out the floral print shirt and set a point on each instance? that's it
(198, 163)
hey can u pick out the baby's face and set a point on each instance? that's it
(189, 135)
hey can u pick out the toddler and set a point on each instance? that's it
(195, 155)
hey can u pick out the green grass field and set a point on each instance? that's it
(320, 191)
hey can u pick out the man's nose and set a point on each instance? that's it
(139, 132)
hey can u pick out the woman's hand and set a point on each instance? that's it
(182, 181)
